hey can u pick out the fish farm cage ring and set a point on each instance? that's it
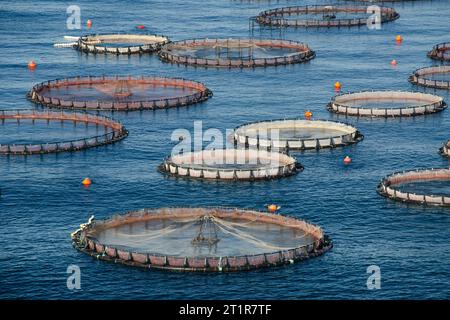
(440, 51)
(118, 93)
(296, 134)
(322, 16)
(433, 77)
(445, 149)
(120, 43)
(238, 53)
(114, 131)
(231, 165)
(421, 186)
(201, 239)
(386, 104)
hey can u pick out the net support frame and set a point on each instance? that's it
(83, 241)
(118, 131)
(338, 104)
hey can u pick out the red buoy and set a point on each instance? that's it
(140, 26)
(89, 23)
(337, 85)
(347, 160)
(272, 208)
(308, 115)
(32, 65)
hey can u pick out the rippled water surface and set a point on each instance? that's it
(42, 199)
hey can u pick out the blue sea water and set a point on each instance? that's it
(42, 199)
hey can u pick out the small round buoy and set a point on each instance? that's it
(272, 208)
(347, 160)
(337, 85)
(394, 62)
(398, 38)
(32, 65)
(140, 26)
(86, 182)
(308, 114)
(89, 23)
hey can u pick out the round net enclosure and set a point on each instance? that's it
(445, 149)
(120, 43)
(433, 77)
(323, 16)
(296, 134)
(238, 53)
(386, 104)
(421, 186)
(231, 165)
(29, 131)
(124, 93)
(440, 51)
(200, 239)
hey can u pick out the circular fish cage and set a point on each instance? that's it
(445, 149)
(296, 134)
(119, 93)
(239, 53)
(386, 104)
(440, 51)
(433, 77)
(231, 165)
(323, 16)
(200, 239)
(421, 186)
(120, 43)
(113, 131)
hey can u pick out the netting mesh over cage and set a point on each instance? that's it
(324, 16)
(231, 164)
(386, 104)
(440, 51)
(421, 186)
(120, 43)
(201, 239)
(433, 77)
(113, 131)
(236, 52)
(125, 93)
(296, 134)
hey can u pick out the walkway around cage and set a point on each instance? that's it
(440, 52)
(38, 93)
(276, 17)
(118, 131)
(343, 104)
(421, 77)
(271, 165)
(260, 140)
(387, 184)
(139, 44)
(302, 53)
(84, 241)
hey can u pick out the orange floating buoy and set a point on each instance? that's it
(32, 65)
(337, 85)
(394, 62)
(140, 26)
(398, 38)
(272, 208)
(347, 160)
(86, 182)
(308, 114)
(89, 23)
